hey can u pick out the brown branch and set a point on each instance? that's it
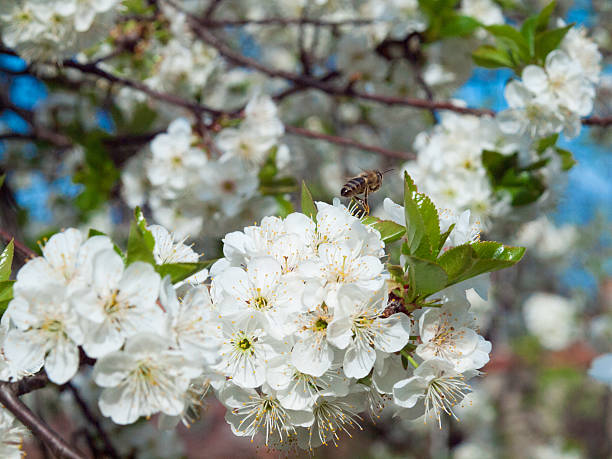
(347, 142)
(279, 21)
(237, 58)
(214, 4)
(39, 428)
(598, 121)
(92, 69)
(109, 449)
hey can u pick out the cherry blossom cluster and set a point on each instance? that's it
(295, 330)
(553, 98)
(186, 186)
(55, 29)
(310, 339)
(450, 166)
(150, 348)
(449, 157)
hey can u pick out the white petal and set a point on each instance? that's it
(534, 79)
(395, 334)
(113, 368)
(62, 361)
(339, 332)
(312, 359)
(406, 393)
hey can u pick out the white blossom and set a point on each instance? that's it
(142, 379)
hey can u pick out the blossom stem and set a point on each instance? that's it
(412, 361)
(406, 354)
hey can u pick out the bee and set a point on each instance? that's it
(365, 183)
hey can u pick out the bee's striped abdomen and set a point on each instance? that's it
(354, 186)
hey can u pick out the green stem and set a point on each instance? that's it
(405, 353)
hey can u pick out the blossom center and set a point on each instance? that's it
(112, 306)
(260, 303)
(52, 326)
(244, 344)
(229, 186)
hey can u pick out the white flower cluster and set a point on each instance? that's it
(295, 331)
(55, 29)
(449, 165)
(153, 351)
(553, 99)
(12, 433)
(187, 187)
(309, 341)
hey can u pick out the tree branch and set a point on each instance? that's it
(598, 121)
(109, 450)
(237, 58)
(279, 21)
(348, 142)
(39, 429)
(92, 69)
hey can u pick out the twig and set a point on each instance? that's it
(217, 24)
(56, 444)
(348, 142)
(237, 58)
(108, 446)
(197, 109)
(598, 121)
(214, 4)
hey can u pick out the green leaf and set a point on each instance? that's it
(140, 240)
(308, 206)
(284, 206)
(98, 175)
(528, 30)
(490, 57)
(470, 260)
(431, 220)
(458, 26)
(389, 230)
(511, 39)
(415, 227)
(523, 186)
(2, 177)
(181, 271)
(426, 277)
(6, 260)
(444, 237)
(544, 17)
(6, 290)
(567, 159)
(409, 184)
(268, 170)
(497, 164)
(546, 143)
(6, 295)
(505, 175)
(549, 40)
(396, 272)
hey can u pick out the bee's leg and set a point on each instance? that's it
(366, 206)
